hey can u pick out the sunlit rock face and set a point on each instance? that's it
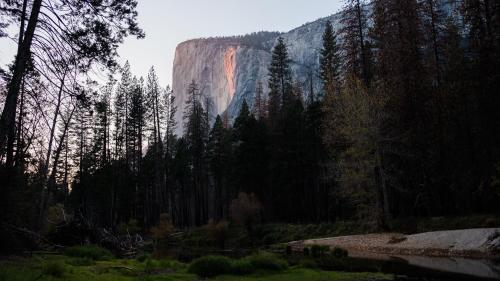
(227, 70)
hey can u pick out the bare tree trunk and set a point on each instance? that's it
(57, 155)
(19, 133)
(384, 200)
(7, 120)
(45, 192)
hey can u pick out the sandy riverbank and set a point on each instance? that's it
(472, 243)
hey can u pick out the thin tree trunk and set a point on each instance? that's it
(7, 120)
(364, 61)
(19, 149)
(45, 192)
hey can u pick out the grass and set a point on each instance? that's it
(29, 269)
(89, 251)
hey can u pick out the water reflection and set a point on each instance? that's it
(432, 268)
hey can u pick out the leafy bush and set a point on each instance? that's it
(330, 262)
(242, 267)
(55, 269)
(149, 266)
(319, 250)
(91, 251)
(218, 232)
(161, 234)
(143, 258)
(210, 266)
(163, 229)
(306, 251)
(132, 227)
(308, 263)
(267, 262)
(85, 261)
(340, 253)
(245, 210)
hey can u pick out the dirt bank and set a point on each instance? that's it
(473, 243)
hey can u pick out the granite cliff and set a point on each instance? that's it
(228, 69)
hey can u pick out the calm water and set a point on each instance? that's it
(430, 268)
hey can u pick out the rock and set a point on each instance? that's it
(227, 70)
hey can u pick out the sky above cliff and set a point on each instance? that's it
(169, 22)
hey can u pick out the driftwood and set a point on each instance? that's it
(126, 245)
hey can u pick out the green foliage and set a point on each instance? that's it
(81, 261)
(131, 227)
(30, 270)
(161, 233)
(339, 252)
(330, 59)
(149, 266)
(210, 266)
(143, 257)
(267, 261)
(308, 263)
(418, 225)
(217, 232)
(89, 251)
(306, 251)
(242, 267)
(319, 250)
(54, 268)
(55, 216)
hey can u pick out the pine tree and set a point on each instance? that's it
(102, 126)
(432, 15)
(482, 19)
(329, 60)
(135, 125)
(121, 106)
(280, 79)
(219, 155)
(259, 104)
(355, 45)
(196, 130)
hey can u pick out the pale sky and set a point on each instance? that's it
(170, 22)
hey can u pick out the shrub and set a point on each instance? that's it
(90, 251)
(56, 215)
(161, 234)
(245, 210)
(288, 250)
(306, 251)
(218, 232)
(319, 250)
(132, 227)
(267, 262)
(142, 258)
(340, 253)
(210, 266)
(150, 266)
(163, 229)
(332, 263)
(55, 269)
(242, 267)
(308, 263)
(85, 261)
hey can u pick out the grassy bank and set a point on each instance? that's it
(61, 267)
